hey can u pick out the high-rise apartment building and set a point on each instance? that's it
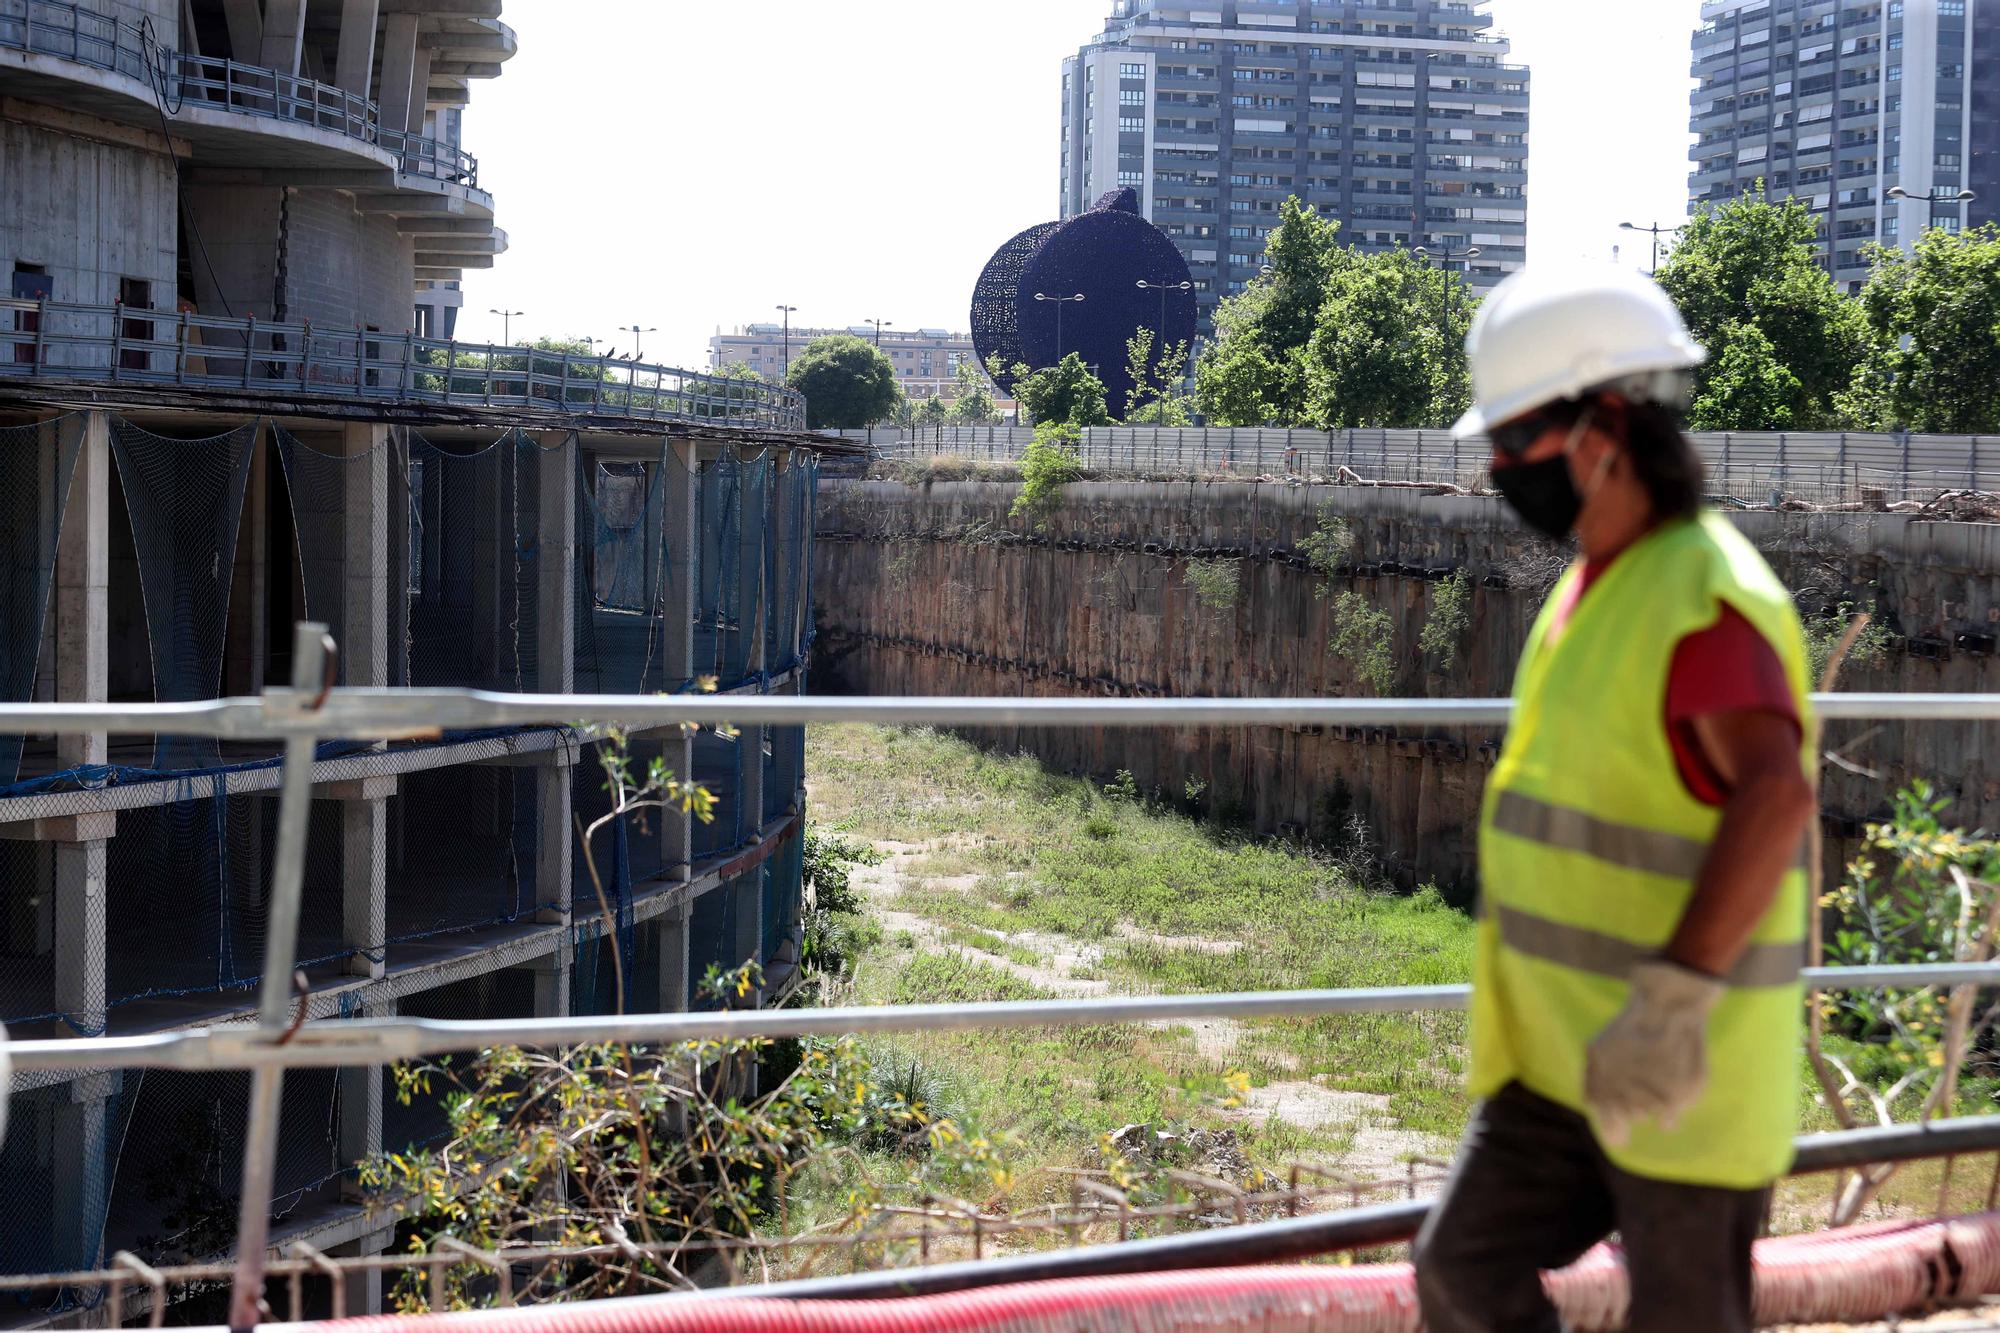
(1400, 118)
(1839, 101)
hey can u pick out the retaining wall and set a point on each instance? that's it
(936, 590)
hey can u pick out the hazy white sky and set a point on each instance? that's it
(684, 164)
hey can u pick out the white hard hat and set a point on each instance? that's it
(1557, 331)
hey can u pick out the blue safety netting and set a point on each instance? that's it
(57, 1167)
(185, 502)
(711, 941)
(718, 766)
(464, 552)
(623, 572)
(502, 993)
(461, 853)
(36, 464)
(594, 978)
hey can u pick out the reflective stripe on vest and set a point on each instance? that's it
(1621, 844)
(1589, 950)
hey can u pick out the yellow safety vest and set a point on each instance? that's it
(1589, 846)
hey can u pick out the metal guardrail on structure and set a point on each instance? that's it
(58, 342)
(1818, 466)
(180, 79)
(309, 712)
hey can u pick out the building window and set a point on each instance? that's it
(1131, 124)
(1131, 71)
(1132, 97)
(135, 294)
(31, 283)
(1131, 178)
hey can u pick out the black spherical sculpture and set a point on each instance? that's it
(1128, 273)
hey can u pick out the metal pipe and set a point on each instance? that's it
(312, 659)
(351, 1042)
(389, 714)
(1304, 1237)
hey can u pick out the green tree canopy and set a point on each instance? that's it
(1945, 300)
(1156, 396)
(1389, 349)
(1065, 392)
(1254, 372)
(847, 383)
(974, 405)
(1746, 270)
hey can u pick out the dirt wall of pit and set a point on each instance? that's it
(937, 590)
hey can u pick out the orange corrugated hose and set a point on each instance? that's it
(1857, 1273)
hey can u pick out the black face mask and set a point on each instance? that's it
(1542, 494)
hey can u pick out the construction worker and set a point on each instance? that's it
(1637, 1005)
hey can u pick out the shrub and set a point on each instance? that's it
(1364, 637)
(1328, 545)
(1215, 581)
(1451, 613)
(1052, 462)
(1825, 630)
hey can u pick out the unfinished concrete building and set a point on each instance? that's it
(233, 229)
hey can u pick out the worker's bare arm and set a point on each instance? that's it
(1764, 821)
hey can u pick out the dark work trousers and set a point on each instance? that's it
(1532, 1190)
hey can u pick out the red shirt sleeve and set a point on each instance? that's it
(1727, 668)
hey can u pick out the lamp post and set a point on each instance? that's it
(1656, 231)
(1163, 288)
(1443, 260)
(637, 333)
(787, 311)
(1934, 198)
(507, 324)
(880, 324)
(1061, 301)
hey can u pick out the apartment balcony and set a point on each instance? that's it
(276, 128)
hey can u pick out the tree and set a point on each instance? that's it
(1064, 392)
(847, 383)
(1156, 395)
(974, 404)
(1389, 350)
(1254, 373)
(1945, 299)
(932, 411)
(1747, 271)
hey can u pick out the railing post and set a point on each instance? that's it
(249, 346)
(41, 333)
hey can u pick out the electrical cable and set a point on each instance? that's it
(156, 75)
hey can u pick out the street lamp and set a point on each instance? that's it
(1061, 301)
(507, 324)
(787, 311)
(1656, 231)
(1935, 196)
(636, 333)
(1163, 288)
(1443, 260)
(880, 324)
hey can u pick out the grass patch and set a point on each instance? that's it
(1156, 902)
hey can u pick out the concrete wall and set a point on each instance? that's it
(936, 591)
(90, 202)
(342, 269)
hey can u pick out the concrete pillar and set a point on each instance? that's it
(363, 1286)
(364, 847)
(555, 566)
(363, 632)
(83, 589)
(246, 30)
(679, 528)
(399, 66)
(420, 90)
(81, 1124)
(673, 927)
(80, 893)
(247, 645)
(284, 35)
(361, 1093)
(755, 527)
(551, 972)
(354, 69)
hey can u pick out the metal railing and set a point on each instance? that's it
(101, 41)
(308, 712)
(1818, 466)
(59, 342)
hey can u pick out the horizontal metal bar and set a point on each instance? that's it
(1304, 1237)
(380, 1041)
(385, 714)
